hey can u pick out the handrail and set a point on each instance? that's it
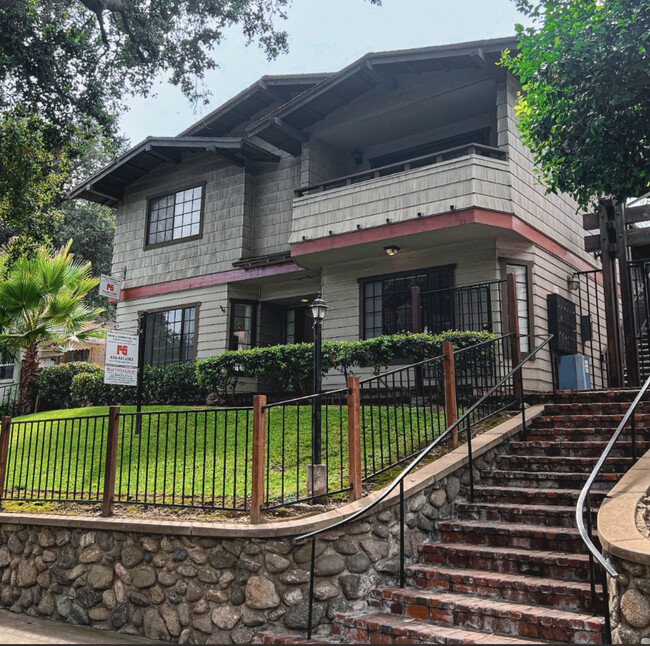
(487, 283)
(400, 478)
(584, 534)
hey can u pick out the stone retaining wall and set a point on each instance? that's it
(198, 589)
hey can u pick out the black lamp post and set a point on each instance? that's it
(318, 309)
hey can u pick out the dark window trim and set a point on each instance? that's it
(197, 309)
(451, 267)
(147, 222)
(529, 264)
(231, 322)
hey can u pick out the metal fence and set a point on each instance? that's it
(10, 399)
(291, 429)
(191, 458)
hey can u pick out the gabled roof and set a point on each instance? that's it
(107, 186)
(284, 127)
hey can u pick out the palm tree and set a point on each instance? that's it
(42, 302)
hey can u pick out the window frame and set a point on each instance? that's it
(451, 268)
(4, 362)
(231, 322)
(182, 306)
(529, 264)
(147, 227)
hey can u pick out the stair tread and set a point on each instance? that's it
(488, 606)
(497, 526)
(422, 629)
(518, 490)
(565, 510)
(518, 552)
(487, 577)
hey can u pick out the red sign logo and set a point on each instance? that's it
(122, 349)
(110, 287)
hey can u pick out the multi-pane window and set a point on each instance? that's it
(523, 313)
(387, 301)
(6, 365)
(175, 216)
(298, 325)
(242, 325)
(169, 336)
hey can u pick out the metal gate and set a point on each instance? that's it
(640, 278)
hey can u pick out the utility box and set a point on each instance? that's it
(573, 372)
(562, 324)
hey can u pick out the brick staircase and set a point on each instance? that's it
(508, 568)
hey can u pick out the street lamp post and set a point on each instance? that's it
(316, 476)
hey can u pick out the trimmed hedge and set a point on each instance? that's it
(288, 368)
(55, 383)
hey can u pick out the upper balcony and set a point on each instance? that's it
(469, 176)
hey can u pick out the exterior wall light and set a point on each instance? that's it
(392, 250)
(573, 282)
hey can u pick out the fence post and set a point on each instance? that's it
(416, 310)
(354, 437)
(111, 460)
(513, 328)
(451, 410)
(259, 450)
(4, 452)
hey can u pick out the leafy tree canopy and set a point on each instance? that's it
(585, 107)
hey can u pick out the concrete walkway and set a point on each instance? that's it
(22, 629)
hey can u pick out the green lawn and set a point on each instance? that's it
(198, 456)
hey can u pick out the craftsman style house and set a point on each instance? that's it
(405, 168)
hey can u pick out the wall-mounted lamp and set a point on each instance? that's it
(391, 250)
(573, 282)
(357, 155)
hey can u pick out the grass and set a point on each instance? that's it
(200, 457)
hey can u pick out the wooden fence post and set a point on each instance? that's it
(111, 460)
(451, 409)
(259, 451)
(5, 430)
(354, 437)
(513, 328)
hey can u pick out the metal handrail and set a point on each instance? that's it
(584, 534)
(400, 478)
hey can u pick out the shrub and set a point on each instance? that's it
(55, 383)
(288, 368)
(174, 384)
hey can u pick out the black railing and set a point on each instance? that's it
(464, 421)
(58, 460)
(583, 511)
(10, 399)
(400, 167)
(402, 411)
(591, 325)
(640, 277)
(192, 458)
(470, 307)
(289, 434)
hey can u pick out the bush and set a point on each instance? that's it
(288, 368)
(55, 383)
(174, 384)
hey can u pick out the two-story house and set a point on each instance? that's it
(405, 168)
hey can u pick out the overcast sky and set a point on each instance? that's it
(324, 36)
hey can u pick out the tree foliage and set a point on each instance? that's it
(585, 107)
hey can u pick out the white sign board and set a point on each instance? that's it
(120, 376)
(110, 286)
(121, 359)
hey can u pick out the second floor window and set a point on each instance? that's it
(174, 217)
(169, 336)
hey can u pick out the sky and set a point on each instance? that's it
(324, 36)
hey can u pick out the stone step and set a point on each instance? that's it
(561, 464)
(542, 515)
(498, 534)
(533, 495)
(588, 421)
(271, 638)
(577, 448)
(518, 588)
(382, 628)
(560, 433)
(475, 613)
(547, 479)
(560, 566)
(572, 396)
(594, 408)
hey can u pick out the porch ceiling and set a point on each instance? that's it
(465, 235)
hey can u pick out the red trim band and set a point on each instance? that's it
(444, 221)
(208, 280)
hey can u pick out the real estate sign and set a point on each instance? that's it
(110, 286)
(121, 359)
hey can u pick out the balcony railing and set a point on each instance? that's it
(400, 167)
